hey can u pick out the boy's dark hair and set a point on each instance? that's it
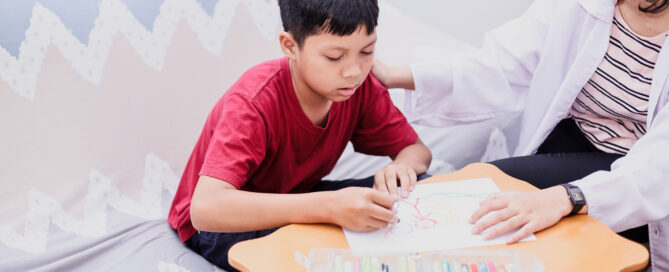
(302, 18)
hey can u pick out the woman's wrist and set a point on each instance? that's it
(565, 206)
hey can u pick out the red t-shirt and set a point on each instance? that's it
(258, 139)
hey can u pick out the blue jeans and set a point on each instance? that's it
(214, 246)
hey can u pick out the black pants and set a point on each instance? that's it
(566, 155)
(214, 246)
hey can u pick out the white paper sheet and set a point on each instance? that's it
(433, 217)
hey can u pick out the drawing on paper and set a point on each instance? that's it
(433, 217)
(428, 211)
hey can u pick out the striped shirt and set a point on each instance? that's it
(611, 108)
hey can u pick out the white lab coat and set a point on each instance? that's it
(537, 64)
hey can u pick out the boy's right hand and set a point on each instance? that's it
(361, 209)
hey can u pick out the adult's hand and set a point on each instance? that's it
(530, 211)
(393, 76)
(381, 72)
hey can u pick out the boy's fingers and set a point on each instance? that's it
(405, 182)
(391, 175)
(377, 224)
(414, 179)
(383, 214)
(363, 228)
(392, 185)
(384, 200)
(379, 182)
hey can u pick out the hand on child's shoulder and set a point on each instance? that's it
(380, 71)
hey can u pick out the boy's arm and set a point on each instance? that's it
(217, 206)
(417, 156)
(412, 160)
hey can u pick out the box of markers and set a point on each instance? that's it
(461, 260)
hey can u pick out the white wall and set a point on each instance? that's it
(465, 20)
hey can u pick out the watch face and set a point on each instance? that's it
(576, 196)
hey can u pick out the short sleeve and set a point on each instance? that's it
(382, 129)
(238, 143)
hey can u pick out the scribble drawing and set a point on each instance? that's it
(428, 213)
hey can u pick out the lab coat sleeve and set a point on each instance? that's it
(636, 190)
(483, 83)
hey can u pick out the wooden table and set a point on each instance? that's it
(578, 243)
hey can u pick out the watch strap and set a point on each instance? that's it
(577, 201)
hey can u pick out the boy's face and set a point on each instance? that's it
(333, 67)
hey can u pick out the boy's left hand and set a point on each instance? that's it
(386, 179)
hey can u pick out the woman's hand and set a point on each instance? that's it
(530, 211)
(381, 72)
(393, 77)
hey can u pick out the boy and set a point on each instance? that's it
(282, 126)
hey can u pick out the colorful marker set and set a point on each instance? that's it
(416, 263)
(462, 260)
(481, 266)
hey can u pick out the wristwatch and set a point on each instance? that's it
(576, 197)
